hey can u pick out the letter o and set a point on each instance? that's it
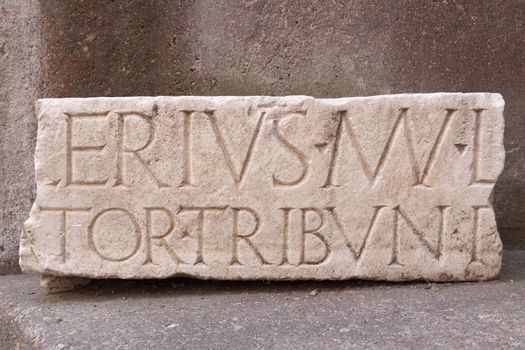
(111, 241)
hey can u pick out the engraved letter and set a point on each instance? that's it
(237, 237)
(335, 150)
(160, 238)
(123, 148)
(476, 150)
(118, 238)
(300, 155)
(237, 177)
(356, 251)
(436, 252)
(70, 149)
(372, 173)
(421, 176)
(315, 232)
(186, 177)
(475, 224)
(201, 211)
(286, 229)
(64, 226)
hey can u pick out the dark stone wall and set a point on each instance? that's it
(280, 47)
(19, 88)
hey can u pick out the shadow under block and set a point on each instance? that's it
(393, 187)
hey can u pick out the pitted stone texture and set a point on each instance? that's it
(20, 55)
(57, 284)
(394, 187)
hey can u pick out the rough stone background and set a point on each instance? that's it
(219, 47)
(20, 53)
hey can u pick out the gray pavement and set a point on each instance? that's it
(190, 314)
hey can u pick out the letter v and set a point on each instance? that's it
(356, 251)
(237, 176)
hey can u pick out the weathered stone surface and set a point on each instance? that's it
(20, 86)
(57, 284)
(394, 187)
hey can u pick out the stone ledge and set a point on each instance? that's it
(184, 313)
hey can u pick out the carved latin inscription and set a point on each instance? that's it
(389, 187)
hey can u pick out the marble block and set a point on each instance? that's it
(393, 187)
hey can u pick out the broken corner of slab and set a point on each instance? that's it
(58, 284)
(394, 187)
